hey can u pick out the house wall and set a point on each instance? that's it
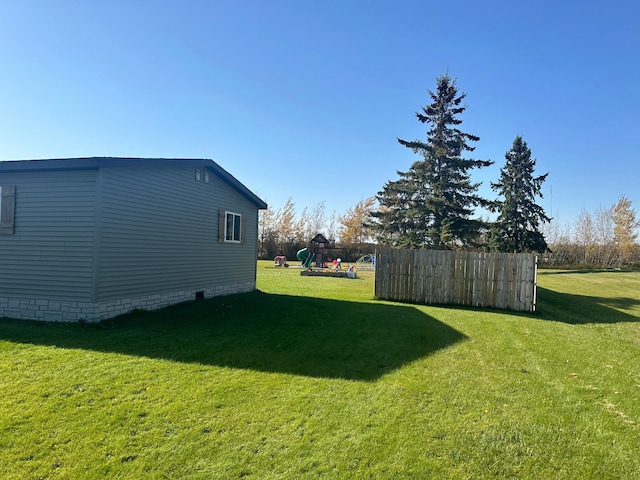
(50, 255)
(92, 244)
(158, 234)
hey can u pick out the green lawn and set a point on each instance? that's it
(311, 378)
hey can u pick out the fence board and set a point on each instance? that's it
(499, 280)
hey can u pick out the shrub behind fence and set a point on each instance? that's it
(499, 280)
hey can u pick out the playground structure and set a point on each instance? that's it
(366, 262)
(314, 260)
(305, 256)
(316, 253)
(280, 261)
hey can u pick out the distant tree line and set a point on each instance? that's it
(605, 238)
(284, 231)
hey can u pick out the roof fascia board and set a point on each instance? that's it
(88, 163)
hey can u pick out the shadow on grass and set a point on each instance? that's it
(583, 309)
(258, 331)
(583, 271)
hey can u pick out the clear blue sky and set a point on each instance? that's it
(306, 99)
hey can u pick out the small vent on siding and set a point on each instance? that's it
(200, 295)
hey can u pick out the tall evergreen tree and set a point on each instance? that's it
(431, 204)
(517, 228)
(395, 223)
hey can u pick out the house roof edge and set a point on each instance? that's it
(88, 163)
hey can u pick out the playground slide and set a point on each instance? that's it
(306, 257)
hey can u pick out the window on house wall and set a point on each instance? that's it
(233, 227)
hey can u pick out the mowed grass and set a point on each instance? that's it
(310, 378)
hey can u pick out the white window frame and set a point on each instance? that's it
(233, 236)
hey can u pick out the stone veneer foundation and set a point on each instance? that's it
(50, 310)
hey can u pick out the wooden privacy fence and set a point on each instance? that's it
(499, 280)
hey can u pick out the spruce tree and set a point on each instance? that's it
(520, 218)
(431, 204)
(393, 224)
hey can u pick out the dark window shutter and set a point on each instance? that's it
(8, 209)
(243, 229)
(221, 223)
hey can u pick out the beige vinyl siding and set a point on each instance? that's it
(50, 253)
(158, 233)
